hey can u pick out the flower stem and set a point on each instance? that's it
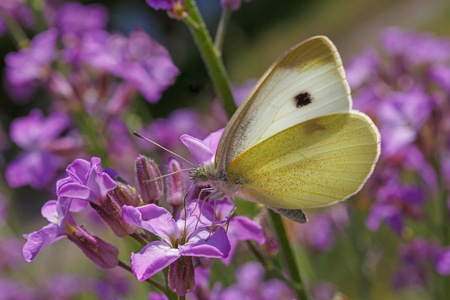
(287, 255)
(16, 32)
(211, 57)
(220, 34)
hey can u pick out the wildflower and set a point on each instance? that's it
(62, 224)
(176, 185)
(204, 151)
(320, 234)
(232, 4)
(28, 68)
(39, 136)
(86, 181)
(17, 10)
(174, 8)
(394, 202)
(139, 60)
(250, 284)
(181, 238)
(76, 19)
(239, 228)
(148, 180)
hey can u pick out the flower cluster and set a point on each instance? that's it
(197, 231)
(405, 90)
(92, 76)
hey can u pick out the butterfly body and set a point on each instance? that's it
(295, 141)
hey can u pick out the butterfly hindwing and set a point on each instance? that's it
(314, 163)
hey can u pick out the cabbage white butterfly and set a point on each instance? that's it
(295, 141)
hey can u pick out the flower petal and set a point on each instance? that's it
(39, 239)
(152, 218)
(152, 258)
(201, 243)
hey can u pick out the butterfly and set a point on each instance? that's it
(295, 142)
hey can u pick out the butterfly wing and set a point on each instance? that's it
(307, 82)
(314, 163)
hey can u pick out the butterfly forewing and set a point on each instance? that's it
(307, 82)
(314, 163)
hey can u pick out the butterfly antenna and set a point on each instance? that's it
(167, 175)
(156, 144)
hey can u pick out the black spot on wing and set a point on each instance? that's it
(302, 99)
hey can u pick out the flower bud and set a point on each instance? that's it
(111, 212)
(100, 252)
(175, 185)
(182, 276)
(124, 194)
(146, 172)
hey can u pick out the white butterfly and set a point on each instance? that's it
(295, 141)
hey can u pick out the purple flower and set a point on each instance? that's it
(401, 115)
(75, 18)
(167, 132)
(204, 151)
(250, 284)
(180, 238)
(138, 60)
(56, 212)
(320, 234)
(18, 11)
(415, 258)
(28, 68)
(239, 228)
(442, 261)
(415, 48)
(161, 4)
(394, 202)
(86, 181)
(37, 135)
(441, 75)
(232, 4)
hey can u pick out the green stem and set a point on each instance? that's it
(287, 255)
(220, 34)
(20, 38)
(210, 56)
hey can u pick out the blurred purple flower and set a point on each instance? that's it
(167, 132)
(322, 227)
(442, 261)
(363, 68)
(415, 48)
(86, 181)
(401, 115)
(232, 4)
(3, 212)
(15, 290)
(180, 238)
(75, 18)
(323, 290)
(17, 10)
(416, 258)
(30, 67)
(138, 60)
(250, 284)
(10, 254)
(440, 74)
(395, 201)
(37, 135)
(161, 4)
